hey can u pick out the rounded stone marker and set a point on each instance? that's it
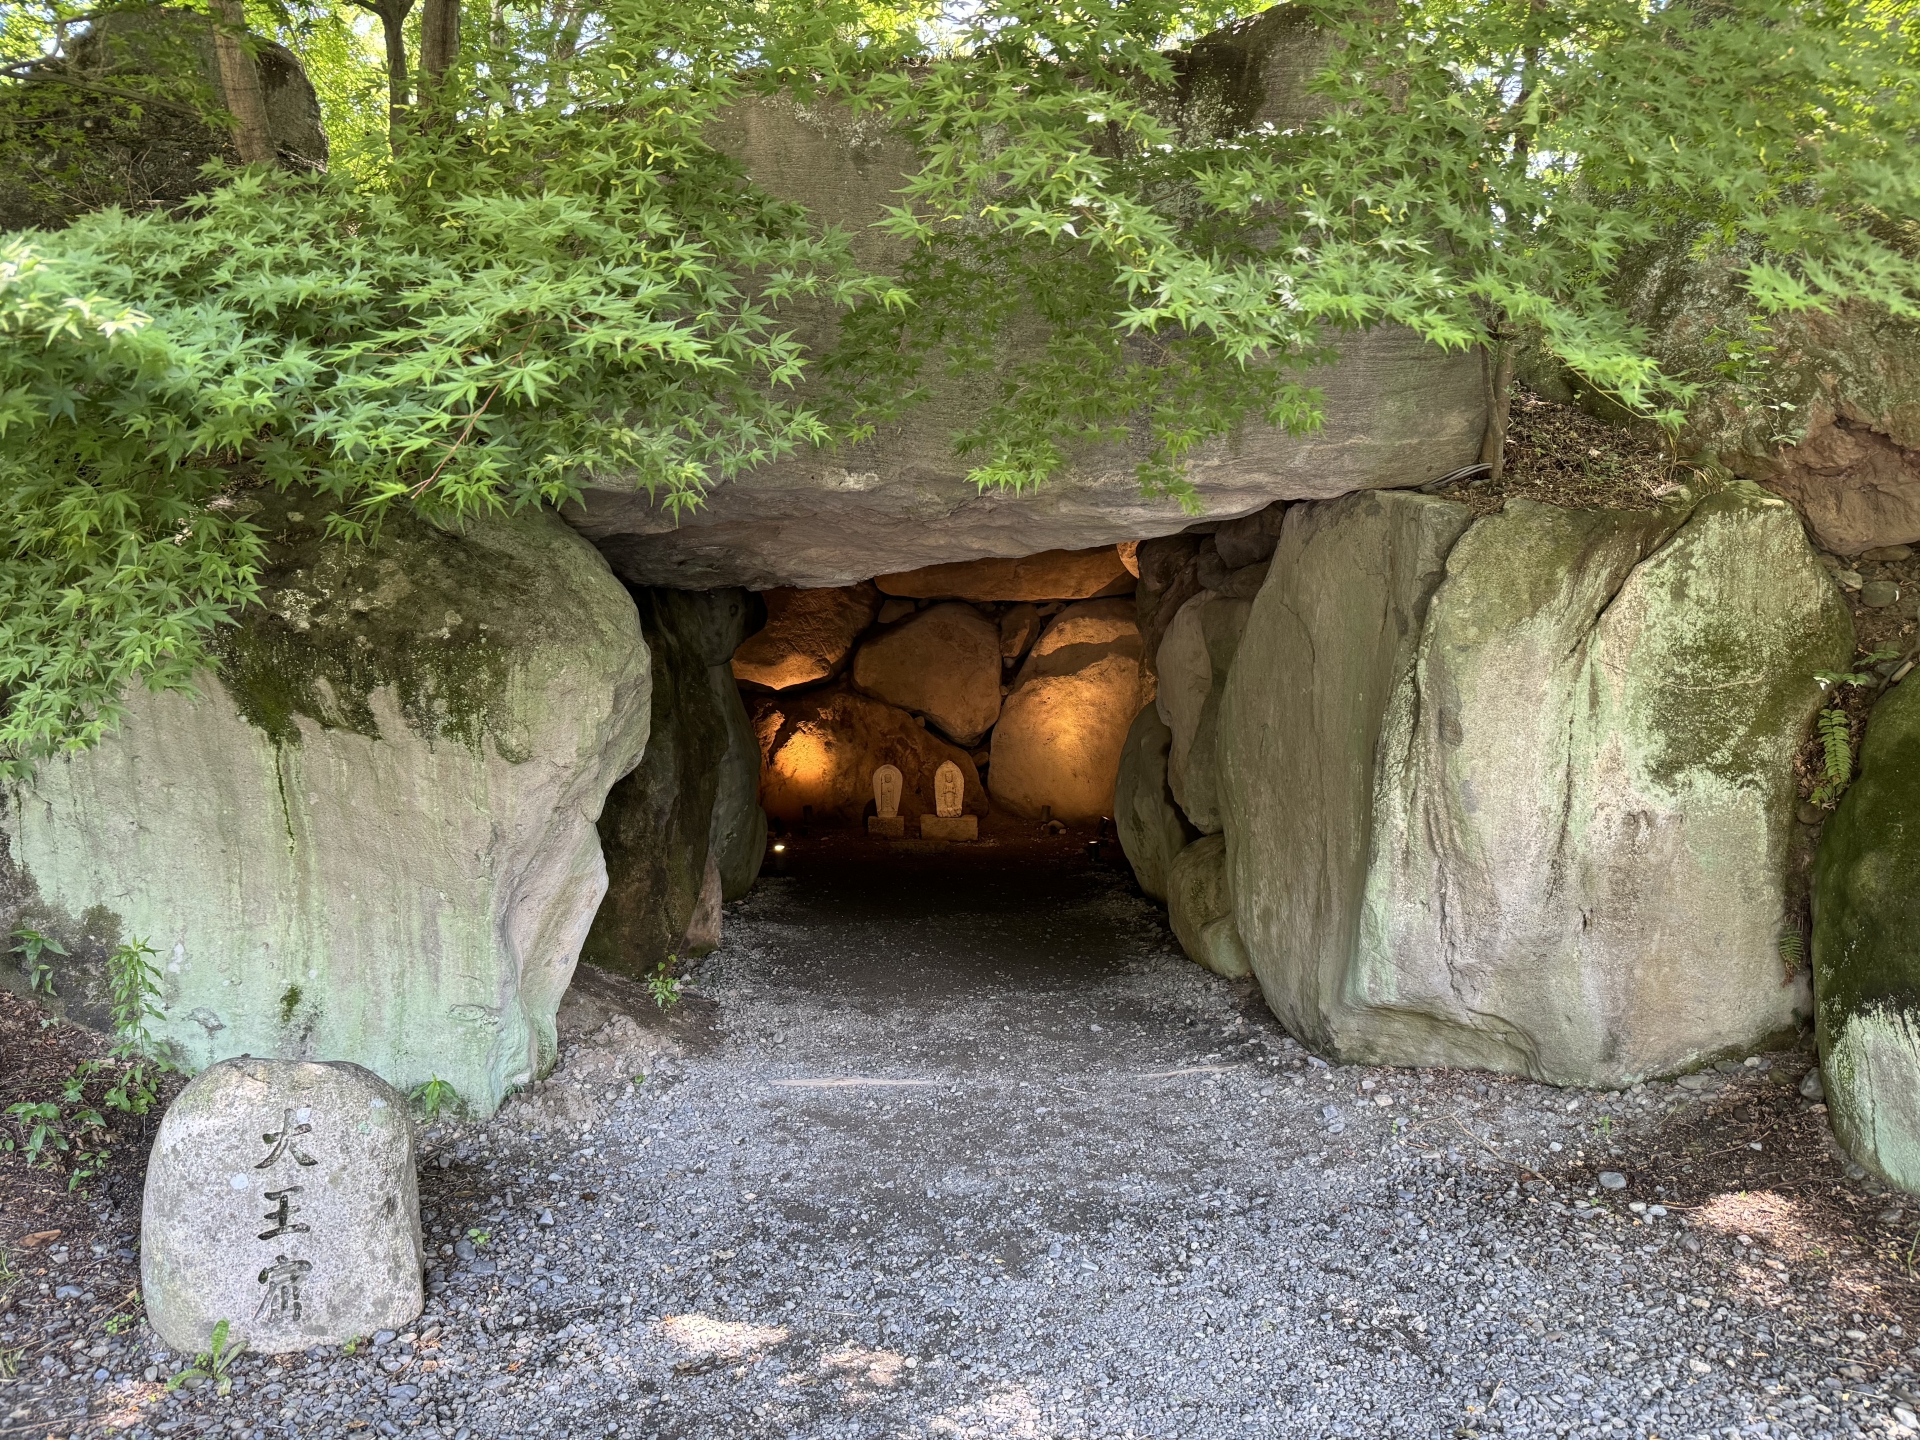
(1612, 1180)
(281, 1198)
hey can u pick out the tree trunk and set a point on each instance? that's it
(439, 39)
(240, 83)
(1493, 448)
(393, 21)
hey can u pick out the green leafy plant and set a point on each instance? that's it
(352, 1346)
(40, 1119)
(434, 1096)
(213, 1366)
(480, 1237)
(74, 1126)
(1603, 1126)
(1834, 726)
(32, 945)
(533, 267)
(1793, 949)
(118, 1323)
(664, 985)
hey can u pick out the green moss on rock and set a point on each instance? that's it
(1866, 947)
(435, 617)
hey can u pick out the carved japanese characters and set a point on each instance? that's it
(281, 1199)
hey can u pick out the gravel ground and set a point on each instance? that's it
(957, 1144)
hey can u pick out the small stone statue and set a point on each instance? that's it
(949, 790)
(281, 1198)
(886, 791)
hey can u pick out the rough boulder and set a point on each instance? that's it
(371, 836)
(1152, 829)
(1516, 793)
(1061, 731)
(943, 663)
(808, 636)
(685, 830)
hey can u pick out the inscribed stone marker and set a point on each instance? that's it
(886, 791)
(281, 1198)
(949, 789)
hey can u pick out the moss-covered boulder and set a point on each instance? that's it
(1866, 948)
(685, 830)
(1519, 793)
(370, 836)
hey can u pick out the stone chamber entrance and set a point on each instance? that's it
(952, 1138)
(958, 722)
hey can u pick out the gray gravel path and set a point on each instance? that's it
(962, 1146)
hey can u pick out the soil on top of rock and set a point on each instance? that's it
(1561, 455)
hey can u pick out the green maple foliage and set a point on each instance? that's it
(556, 277)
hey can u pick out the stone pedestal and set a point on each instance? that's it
(281, 1198)
(887, 827)
(949, 827)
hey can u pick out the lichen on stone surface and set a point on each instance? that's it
(433, 616)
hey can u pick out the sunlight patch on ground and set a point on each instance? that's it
(1011, 1414)
(703, 1335)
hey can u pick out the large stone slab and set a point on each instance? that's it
(281, 1199)
(943, 662)
(1866, 948)
(684, 830)
(821, 748)
(1398, 412)
(1152, 830)
(1523, 801)
(1062, 730)
(808, 636)
(1050, 575)
(371, 835)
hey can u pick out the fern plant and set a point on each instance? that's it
(1835, 729)
(1793, 949)
(1834, 726)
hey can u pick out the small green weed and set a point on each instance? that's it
(664, 985)
(480, 1237)
(213, 1366)
(352, 1347)
(119, 1324)
(32, 945)
(40, 1119)
(1603, 1126)
(10, 1361)
(74, 1125)
(435, 1096)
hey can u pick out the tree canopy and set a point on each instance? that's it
(528, 265)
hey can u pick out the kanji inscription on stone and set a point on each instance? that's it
(281, 1198)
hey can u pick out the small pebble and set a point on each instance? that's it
(1612, 1180)
(1879, 593)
